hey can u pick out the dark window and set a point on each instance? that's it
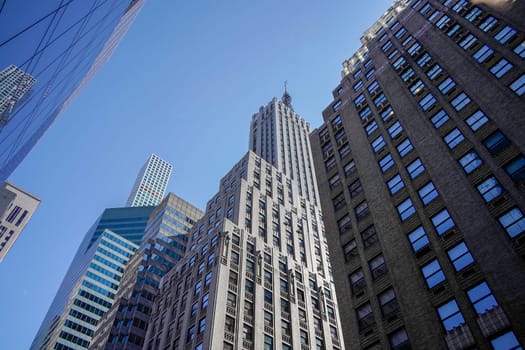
(496, 142)
(361, 211)
(516, 169)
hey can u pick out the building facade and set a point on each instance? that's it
(47, 54)
(89, 287)
(16, 208)
(151, 183)
(421, 172)
(257, 274)
(165, 242)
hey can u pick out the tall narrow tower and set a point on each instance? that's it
(280, 136)
(151, 183)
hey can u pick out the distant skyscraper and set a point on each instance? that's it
(51, 50)
(16, 208)
(256, 275)
(90, 285)
(124, 326)
(421, 171)
(151, 183)
(14, 85)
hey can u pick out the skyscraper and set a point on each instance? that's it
(421, 173)
(151, 183)
(90, 285)
(16, 208)
(48, 52)
(257, 273)
(165, 242)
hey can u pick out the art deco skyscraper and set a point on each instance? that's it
(48, 52)
(257, 274)
(421, 168)
(151, 183)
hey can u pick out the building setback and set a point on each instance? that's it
(257, 275)
(124, 325)
(16, 208)
(421, 174)
(151, 183)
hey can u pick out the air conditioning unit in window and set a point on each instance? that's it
(341, 142)
(382, 105)
(375, 92)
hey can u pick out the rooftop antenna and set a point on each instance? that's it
(287, 99)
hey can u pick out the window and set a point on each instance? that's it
(518, 85)
(380, 100)
(268, 296)
(488, 24)
(404, 148)
(442, 222)
(440, 118)
(339, 201)
(334, 181)
(357, 73)
(434, 72)
(473, 14)
(386, 46)
(501, 68)
(365, 316)
(450, 315)
(387, 114)
(468, 42)
(350, 249)
(483, 54)
(357, 281)
(427, 102)
(481, 298)
(202, 325)
(349, 168)
(447, 86)
(505, 35)
(358, 85)
(460, 256)
(496, 142)
(337, 105)
(424, 60)
(407, 74)
(205, 301)
(395, 184)
(392, 54)
(414, 49)
(460, 101)
(433, 273)
(406, 209)
(369, 236)
(520, 49)
(377, 266)
(229, 324)
(399, 339)
(470, 161)
(191, 334)
(407, 40)
(355, 188)
(476, 120)
(506, 341)
(443, 21)
(370, 74)
(234, 258)
(490, 189)
(400, 33)
(415, 168)
(373, 87)
(378, 144)
(194, 308)
(395, 129)
(418, 239)
(365, 113)
(399, 63)
(371, 127)
(361, 210)
(231, 300)
(427, 193)
(388, 302)
(359, 101)
(386, 162)
(330, 163)
(516, 169)
(513, 222)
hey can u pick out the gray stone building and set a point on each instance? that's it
(257, 275)
(421, 173)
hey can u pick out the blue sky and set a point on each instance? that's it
(183, 84)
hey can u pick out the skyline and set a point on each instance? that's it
(83, 148)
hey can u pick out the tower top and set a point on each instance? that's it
(287, 99)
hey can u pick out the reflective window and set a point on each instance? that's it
(418, 238)
(395, 184)
(470, 161)
(481, 298)
(501, 68)
(386, 162)
(450, 315)
(460, 256)
(442, 222)
(440, 118)
(433, 273)
(490, 189)
(476, 120)
(453, 138)
(404, 148)
(496, 142)
(406, 209)
(427, 193)
(415, 168)
(518, 85)
(513, 222)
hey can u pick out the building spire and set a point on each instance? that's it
(287, 99)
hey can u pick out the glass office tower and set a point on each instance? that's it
(48, 52)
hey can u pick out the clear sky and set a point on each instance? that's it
(183, 84)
